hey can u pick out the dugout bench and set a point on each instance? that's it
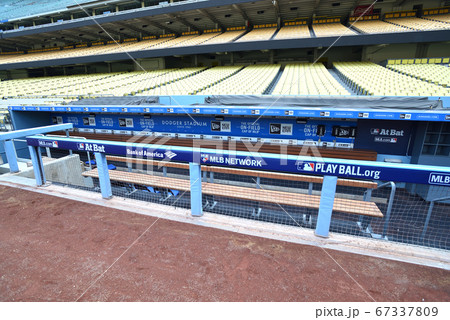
(366, 208)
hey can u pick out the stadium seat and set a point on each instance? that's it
(434, 73)
(258, 35)
(369, 78)
(440, 18)
(253, 79)
(378, 26)
(194, 83)
(308, 79)
(293, 32)
(225, 37)
(419, 23)
(332, 30)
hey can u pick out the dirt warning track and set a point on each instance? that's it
(54, 249)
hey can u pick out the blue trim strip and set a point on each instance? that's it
(294, 112)
(366, 170)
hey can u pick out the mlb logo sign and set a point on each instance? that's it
(308, 166)
(80, 146)
(205, 158)
(55, 144)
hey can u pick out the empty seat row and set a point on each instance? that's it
(258, 35)
(434, 73)
(440, 17)
(253, 79)
(368, 78)
(419, 23)
(332, 30)
(378, 26)
(307, 79)
(160, 43)
(117, 84)
(293, 32)
(194, 83)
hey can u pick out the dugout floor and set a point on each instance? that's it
(54, 249)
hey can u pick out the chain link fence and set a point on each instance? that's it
(412, 214)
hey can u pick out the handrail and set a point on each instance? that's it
(7, 139)
(33, 131)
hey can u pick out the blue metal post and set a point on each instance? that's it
(427, 220)
(326, 206)
(195, 175)
(430, 211)
(38, 167)
(103, 175)
(389, 208)
(365, 220)
(68, 136)
(11, 155)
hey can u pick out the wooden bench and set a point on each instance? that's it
(366, 208)
(247, 172)
(289, 176)
(169, 164)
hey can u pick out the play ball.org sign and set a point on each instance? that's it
(338, 170)
(441, 179)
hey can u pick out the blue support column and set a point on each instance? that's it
(326, 206)
(38, 167)
(68, 136)
(11, 155)
(195, 175)
(103, 175)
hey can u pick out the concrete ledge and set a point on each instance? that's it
(65, 170)
(369, 247)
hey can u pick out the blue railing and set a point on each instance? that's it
(7, 138)
(329, 169)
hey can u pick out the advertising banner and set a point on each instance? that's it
(366, 170)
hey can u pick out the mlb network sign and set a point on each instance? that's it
(441, 179)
